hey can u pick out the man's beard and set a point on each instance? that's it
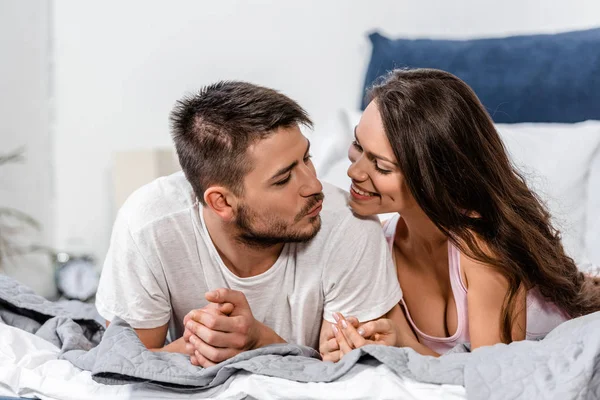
(277, 230)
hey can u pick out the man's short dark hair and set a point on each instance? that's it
(213, 129)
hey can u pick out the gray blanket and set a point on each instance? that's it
(565, 365)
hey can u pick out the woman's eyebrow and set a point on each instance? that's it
(373, 155)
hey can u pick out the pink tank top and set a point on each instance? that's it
(542, 316)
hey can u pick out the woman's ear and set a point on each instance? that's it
(221, 201)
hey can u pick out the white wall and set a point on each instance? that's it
(24, 121)
(121, 65)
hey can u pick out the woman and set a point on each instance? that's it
(477, 257)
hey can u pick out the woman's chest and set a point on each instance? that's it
(428, 296)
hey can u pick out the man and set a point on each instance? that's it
(243, 248)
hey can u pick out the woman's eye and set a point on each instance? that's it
(382, 171)
(356, 145)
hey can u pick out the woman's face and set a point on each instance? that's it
(378, 186)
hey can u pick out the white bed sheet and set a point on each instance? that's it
(29, 366)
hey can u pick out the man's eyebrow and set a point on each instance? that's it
(290, 167)
(373, 155)
(285, 170)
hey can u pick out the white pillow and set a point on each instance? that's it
(592, 223)
(329, 147)
(329, 142)
(556, 160)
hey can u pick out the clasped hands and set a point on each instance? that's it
(348, 334)
(226, 327)
(222, 329)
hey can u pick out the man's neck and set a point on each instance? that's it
(241, 259)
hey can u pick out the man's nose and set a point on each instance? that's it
(312, 185)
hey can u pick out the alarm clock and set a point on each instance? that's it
(76, 277)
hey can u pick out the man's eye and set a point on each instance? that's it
(307, 158)
(283, 182)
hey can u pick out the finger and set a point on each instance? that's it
(337, 316)
(222, 308)
(210, 353)
(368, 330)
(330, 345)
(372, 328)
(190, 349)
(354, 339)
(343, 343)
(186, 335)
(328, 334)
(342, 325)
(194, 360)
(225, 308)
(334, 356)
(194, 315)
(190, 315)
(212, 319)
(216, 338)
(353, 321)
(223, 295)
(202, 361)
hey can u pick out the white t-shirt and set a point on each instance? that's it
(161, 261)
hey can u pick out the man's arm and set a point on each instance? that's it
(358, 249)
(154, 339)
(132, 288)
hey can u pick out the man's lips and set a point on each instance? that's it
(313, 212)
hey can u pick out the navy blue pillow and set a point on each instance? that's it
(537, 78)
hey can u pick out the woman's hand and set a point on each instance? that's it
(329, 347)
(381, 331)
(391, 330)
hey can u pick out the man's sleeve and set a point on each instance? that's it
(360, 278)
(131, 288)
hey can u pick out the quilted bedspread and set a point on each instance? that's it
(564, 365)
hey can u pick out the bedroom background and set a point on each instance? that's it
(86, 88)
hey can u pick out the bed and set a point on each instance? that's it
(564, 168)
(30, 367)
(57, 350)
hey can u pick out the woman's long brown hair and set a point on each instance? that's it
(458, 171)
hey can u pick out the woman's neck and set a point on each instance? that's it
(419, 236)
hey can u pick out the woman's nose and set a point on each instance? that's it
(355, 172)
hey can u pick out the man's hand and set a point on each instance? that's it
(223, 309)
(224, 328)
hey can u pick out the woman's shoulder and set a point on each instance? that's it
(473, 268)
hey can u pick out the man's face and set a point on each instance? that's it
(282, 196)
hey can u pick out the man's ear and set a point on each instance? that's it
(222, 201)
